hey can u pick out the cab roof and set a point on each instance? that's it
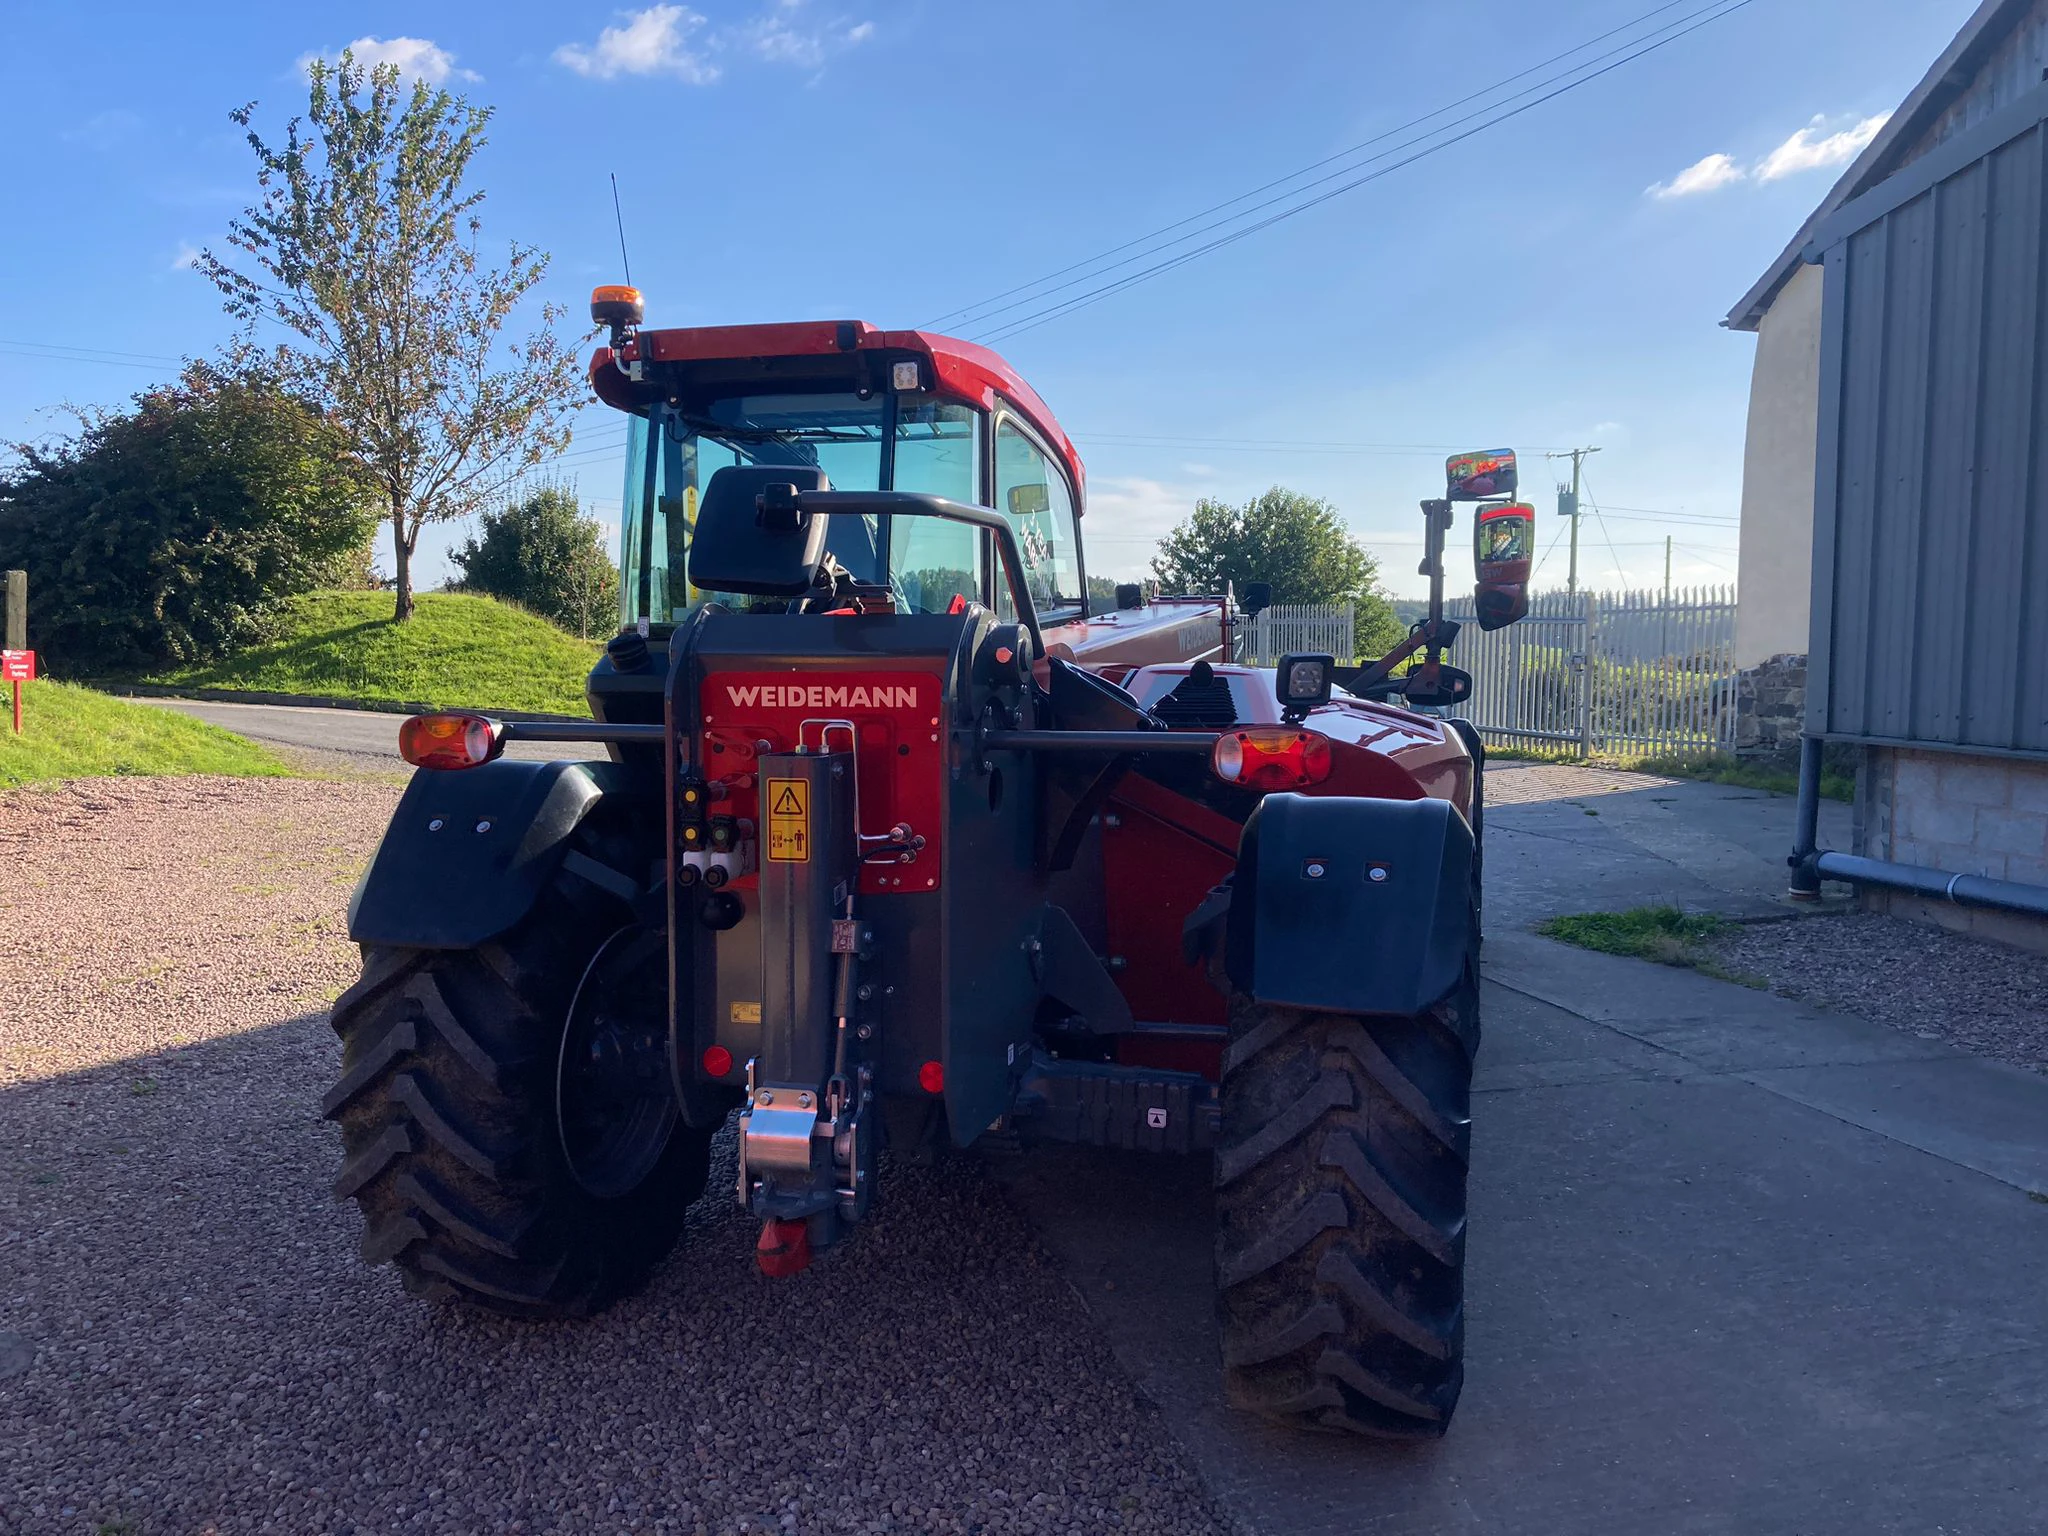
(960, 370)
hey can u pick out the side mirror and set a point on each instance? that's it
(1477, 476)
(1256, 598)
(1503, 550)
(1453, 687)
(1498, 607)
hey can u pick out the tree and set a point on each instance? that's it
(170, 533)
(542, 553)
(1298, 544)
(363, 249)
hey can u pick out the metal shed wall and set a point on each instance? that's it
(1930, 599)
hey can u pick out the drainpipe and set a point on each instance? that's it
(1806, 828)
(1812, 864)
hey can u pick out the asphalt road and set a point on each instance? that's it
(357, 733)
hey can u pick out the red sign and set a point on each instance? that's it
(17, 666)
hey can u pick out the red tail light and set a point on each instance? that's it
(448, 741)
(717, 1061)
(1266, 757)
(931, 1077)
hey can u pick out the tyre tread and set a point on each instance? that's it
(1341, 1215)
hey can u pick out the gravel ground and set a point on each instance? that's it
(188, 1342)
(1983, 997)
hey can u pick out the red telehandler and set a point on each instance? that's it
(893, 840)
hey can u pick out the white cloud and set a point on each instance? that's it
(187, 257)
(1812, 148)
(414, 56)
(1706, 175)
(104, 130)
(650, 42)
(1127, 517)
(672, 40)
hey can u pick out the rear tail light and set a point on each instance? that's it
(448, 741)
(717, 1061)
(931, 1077)
(1271, 757)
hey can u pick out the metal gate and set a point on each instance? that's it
(1630, 673)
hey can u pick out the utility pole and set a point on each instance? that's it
(1568, 506)
(1665, 640)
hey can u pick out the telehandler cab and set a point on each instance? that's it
(894, 841)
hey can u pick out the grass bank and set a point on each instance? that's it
(1663, 934)
(1719, 769)
(456, 652)
(70, 732)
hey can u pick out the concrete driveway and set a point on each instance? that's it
(1565, 838)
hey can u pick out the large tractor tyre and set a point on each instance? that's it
(453, 1146)
(1340, 1196)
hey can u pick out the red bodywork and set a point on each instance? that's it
(961, 370)
(899, 757)
(1161, 853)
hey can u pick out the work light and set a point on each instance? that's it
(1303, 681)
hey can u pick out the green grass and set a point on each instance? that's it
(1663, 934)
(70, 732)
(1717, 768)
(457, 652)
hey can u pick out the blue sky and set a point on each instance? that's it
(1554, 281)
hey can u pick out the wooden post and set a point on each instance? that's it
(17, 611)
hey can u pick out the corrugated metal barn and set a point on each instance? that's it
(1911, 424)
(1930, 605)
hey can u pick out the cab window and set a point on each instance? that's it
(936, 452)
(1032, 493)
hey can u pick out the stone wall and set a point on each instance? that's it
(1968, 815)
(1770, 707)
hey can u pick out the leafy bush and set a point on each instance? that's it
(169, 534)
(542, 553)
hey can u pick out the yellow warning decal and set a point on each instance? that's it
(746, 1013)
(789, 820)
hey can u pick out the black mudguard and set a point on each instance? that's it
(1348, 905)
(470, 850)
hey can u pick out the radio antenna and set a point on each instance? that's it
(624, 259)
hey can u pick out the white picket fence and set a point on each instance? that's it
(1285, 627)
(1630, 673)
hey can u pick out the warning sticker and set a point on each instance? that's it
(789, 820)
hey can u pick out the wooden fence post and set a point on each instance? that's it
(17, 611)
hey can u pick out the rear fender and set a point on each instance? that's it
(470, 850)
(1348, 905)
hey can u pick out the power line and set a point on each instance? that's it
(97, 352)
(1620, 575)
(1064, 307)
(1717, 565)
(1258, 444)
(968, 313)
